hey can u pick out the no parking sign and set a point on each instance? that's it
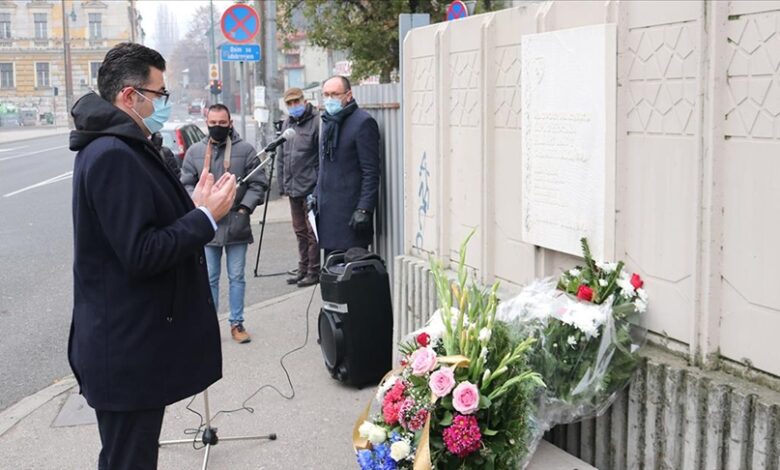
(456, 10)
(240, 24)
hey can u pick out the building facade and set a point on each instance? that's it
(40, 38)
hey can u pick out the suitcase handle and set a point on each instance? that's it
(379, 267)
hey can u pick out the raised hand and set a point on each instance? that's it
(220, 198)
(204, 187)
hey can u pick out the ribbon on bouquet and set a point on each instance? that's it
(422, 457)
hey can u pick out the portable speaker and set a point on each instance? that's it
(356, 321)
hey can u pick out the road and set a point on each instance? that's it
(36, 279)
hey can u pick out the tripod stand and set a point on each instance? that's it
(272, 158)
(210, 437)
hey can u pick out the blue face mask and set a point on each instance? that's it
(297, 110)
(332, 105)
(162, 111)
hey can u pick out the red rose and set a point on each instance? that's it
(636, 281)
(423, 339)
(585, 293)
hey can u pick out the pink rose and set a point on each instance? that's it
(442, 382)
(423, 360)
(465, 398)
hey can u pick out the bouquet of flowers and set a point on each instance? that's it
(588, 341)
(463, 396)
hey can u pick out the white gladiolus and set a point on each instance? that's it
(484, 335)
(642, 294)
(603, 282)
(574, 272)
(483, 353)
(641, 306)
(571, 340)
(400, 450)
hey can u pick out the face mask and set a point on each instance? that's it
(332, 105)
(296, 111)
(218, 133)
(161, 113)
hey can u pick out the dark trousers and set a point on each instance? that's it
(308, 250)
(130, 439)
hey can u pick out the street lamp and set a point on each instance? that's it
(68, 63)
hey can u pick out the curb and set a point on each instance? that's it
(59, 131)
(26, 406)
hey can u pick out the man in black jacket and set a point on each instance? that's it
(144, 332)
(298, 168)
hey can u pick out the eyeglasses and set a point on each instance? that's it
(165, 94)
(334, 95)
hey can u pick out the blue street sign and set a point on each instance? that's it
(241, 53)
(456, 10)
(240, 24)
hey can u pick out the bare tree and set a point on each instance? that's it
(193, 53)
(166, 30)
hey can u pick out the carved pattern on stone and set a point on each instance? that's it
(662, 79)
(464, 89)
(507, 101)
(753, 78)
(423, 75)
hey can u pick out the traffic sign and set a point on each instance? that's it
(241, 53)
(213, 72)
(240, 24)
(456, 10)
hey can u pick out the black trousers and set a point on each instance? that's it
(130, 439)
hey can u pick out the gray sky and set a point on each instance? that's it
(182, 9)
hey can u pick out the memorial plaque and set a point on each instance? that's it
(568, 154)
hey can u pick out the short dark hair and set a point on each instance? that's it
(218, 107)
(344, 81)
(127, 64)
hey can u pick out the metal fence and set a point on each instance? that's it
(383, 102)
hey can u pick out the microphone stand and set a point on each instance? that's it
(210, 437)
(272, 159)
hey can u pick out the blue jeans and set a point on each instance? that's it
(236, 262)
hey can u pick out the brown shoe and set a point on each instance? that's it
(309, 280)
(239, 334)
(295, 279)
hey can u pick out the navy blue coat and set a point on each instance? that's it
(349, 182)
(144, 331)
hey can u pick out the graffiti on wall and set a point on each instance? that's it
(424, 194)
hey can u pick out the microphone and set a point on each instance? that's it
(286, 135)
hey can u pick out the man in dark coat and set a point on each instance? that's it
(348, 183)
(299, 164)
(144, 332)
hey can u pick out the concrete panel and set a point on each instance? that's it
(648, 13)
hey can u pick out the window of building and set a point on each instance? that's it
(93, 73)
(295, 78)
(292, 59)
(42, 75)
(6, 75)
(95, 26)
(41, 25)
(5, 26)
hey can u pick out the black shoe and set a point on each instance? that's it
(309, 280)
(295, 279)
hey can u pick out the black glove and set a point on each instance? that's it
(311, 203)
(360, 221)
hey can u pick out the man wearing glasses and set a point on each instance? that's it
(348, 182)
(142, 309)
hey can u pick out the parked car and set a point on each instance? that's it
(180, 136)
(196, 107)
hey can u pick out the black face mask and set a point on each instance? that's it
(218, 133)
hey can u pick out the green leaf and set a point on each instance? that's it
(489, 432)
(484, 402)
(447, 419)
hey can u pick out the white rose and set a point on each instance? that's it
(365, 429)
(377, 435)
(400, 450)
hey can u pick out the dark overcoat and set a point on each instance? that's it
(144, 332)
(347, 182)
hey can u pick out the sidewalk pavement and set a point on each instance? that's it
(25, 133)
